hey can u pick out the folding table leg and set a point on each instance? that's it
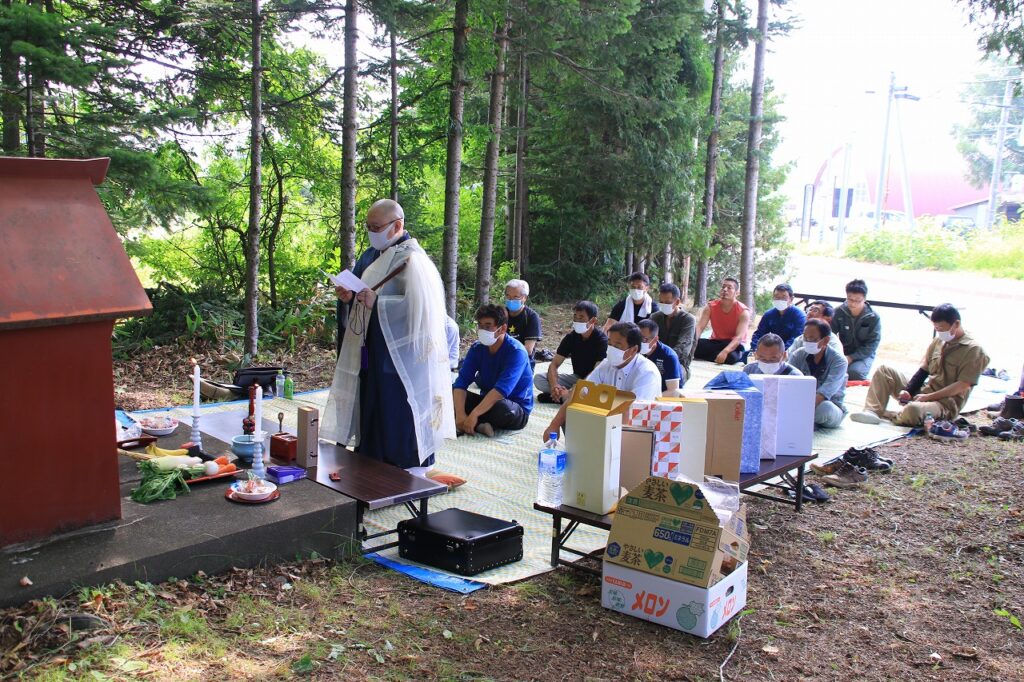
(556, 536)
(800, 488)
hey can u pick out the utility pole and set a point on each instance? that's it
(997, 162)
(844, 197)
(895, 92)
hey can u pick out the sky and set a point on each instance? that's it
(824, 66)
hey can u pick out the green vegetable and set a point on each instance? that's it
(157, 484)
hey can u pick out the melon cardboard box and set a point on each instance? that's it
(671, 559)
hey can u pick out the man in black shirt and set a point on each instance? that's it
(523, 321)
(677, 328)
(634, 307)
(586, 345)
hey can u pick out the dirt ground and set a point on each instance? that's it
(916, 575)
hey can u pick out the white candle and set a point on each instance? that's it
(195, 389)
(258, 416)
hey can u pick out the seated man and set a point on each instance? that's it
(585, 345)
(523, 321)
(819, 360)
(498, 364)
(624, 368)
(454, 339)
(949, 370)
(859, 329)
(663, 357)
(729, 321)
(784, 319)
(635, 307)
(677, 328)
(770, 358)
(818, 310)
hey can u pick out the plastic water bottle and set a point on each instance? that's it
(929, 422)
(551, 473)
(279, 385)
(289, 387)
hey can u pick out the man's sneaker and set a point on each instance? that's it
(945, 431)
(866, 417)
(852, 452)
(1015, 433)
(998, 425)
(963, 423)
(868, 459)
(848, 476)
(829, 467)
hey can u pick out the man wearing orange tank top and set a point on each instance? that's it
(729, 321)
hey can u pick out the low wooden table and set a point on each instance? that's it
(559, 538)
(772, 468)
(372, 484)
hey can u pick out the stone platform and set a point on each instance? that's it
(200, 531)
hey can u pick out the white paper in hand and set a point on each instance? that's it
(348, 280)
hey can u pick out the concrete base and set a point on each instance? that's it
(200, 531)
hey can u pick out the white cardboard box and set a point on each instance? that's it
(787, 415)
(593, 443)
(695, 610)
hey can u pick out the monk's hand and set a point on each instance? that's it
(344, 295)
(721, 357)
(367, 297)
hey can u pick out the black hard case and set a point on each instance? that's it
(460, 541)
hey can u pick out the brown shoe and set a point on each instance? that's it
(847, 476)
(829, 467)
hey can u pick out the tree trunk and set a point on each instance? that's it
(252, 237)
(711, 164)
(490, 198)
(666, 263)
(522, 211)
(275, 226)
(453, 165)
(684, 279)
(394, 117)
(10, 105)
(630, 240)
(753, 158)
(347, 230)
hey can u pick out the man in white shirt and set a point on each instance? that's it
(625, 368)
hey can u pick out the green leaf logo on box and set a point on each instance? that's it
(680, 493)
(653, 558)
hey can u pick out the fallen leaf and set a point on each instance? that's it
(770, 650)
(469, 606)
(593, 635)
(477, 643)
(935, 657)
(969, 653)
(25, 582)
(447, 634)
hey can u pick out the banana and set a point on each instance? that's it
(152, 449)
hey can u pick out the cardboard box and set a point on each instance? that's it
(787, 417)
(680, 427)
(695, 610)
(724, 434)
(593, 445)
(637, 453)
(668, 529)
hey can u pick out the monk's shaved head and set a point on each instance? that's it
(384, 210)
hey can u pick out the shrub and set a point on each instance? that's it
(925, 248)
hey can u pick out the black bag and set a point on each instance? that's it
(264, 375)
(460, 541)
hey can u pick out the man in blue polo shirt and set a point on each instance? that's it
(500, 366)
(663, 357)
(784, 319)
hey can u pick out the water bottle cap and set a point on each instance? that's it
(553, 435)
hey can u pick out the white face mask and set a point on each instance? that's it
(946, 336)
(616, 356)
(580, 327)
(636, 294)
(666, 308)
(780, 305)
(811, 347)
(769, 367)
(486, 336)
(381, 240)
(647, 348)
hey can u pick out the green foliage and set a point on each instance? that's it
(997, 253)
(926, 247)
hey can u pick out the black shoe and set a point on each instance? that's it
(545, 398)
(868, 459)
(854, 454)
(962, 423)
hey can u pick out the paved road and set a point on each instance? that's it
(992, 309)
